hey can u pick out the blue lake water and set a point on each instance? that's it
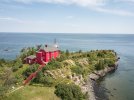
(120, 84)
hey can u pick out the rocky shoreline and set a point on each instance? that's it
(93, 77)
(101, 73)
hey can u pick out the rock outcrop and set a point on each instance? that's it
(101, 73)
(95, 76)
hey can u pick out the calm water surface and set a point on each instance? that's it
(119, 84)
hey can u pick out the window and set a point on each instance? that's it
(29, 61)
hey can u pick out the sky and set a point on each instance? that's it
(67, 16)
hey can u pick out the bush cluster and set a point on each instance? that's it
(43, 79)
(69, 92)
(31, 69)
(77, 70)
(109, 62)
(100, 65)
(53, 64)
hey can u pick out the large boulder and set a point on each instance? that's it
(93, 76)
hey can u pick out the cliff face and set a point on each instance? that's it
(65, 74)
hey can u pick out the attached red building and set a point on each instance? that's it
(45, 54)
(30, 59)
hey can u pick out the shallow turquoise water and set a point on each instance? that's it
(120, 84)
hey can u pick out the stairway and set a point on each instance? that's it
(33, 75)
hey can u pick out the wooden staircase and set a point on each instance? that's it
(33, 75)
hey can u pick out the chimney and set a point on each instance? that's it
(46, 45)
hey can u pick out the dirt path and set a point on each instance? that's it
(15, 89)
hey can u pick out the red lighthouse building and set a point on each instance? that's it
(44, 54)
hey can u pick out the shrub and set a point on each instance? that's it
(109, 62)
(77, 70)
(67, 52)
(80, 51)
(3, 91)
(61, 58)
(48, 81)
(30, 70)
(69, 92)
(15, 68)
(100, 54)
(39, 77)
(10, 81)
(20, 66)
(27, 52)
(43, 79)
(2, 61)
(100, 65)
(54, 64)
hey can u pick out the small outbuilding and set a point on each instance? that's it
(30, 59)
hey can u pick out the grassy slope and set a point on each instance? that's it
(33, 93)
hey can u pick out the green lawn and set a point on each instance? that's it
(33, 93)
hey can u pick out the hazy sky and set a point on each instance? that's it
(67, 16)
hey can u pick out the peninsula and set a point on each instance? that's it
(67, 76)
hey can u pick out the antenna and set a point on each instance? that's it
(55, 41)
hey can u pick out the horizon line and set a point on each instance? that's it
(63, 33)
